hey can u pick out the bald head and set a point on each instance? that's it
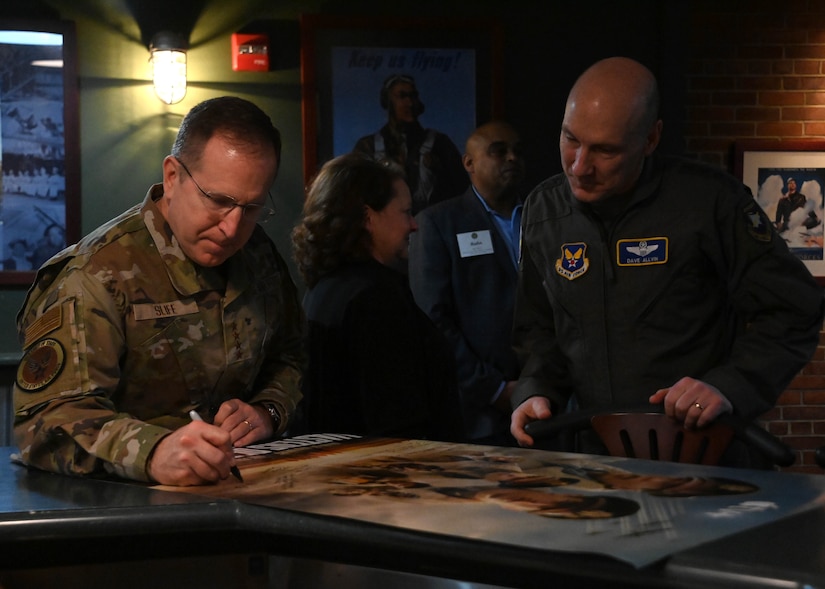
(619, 89)
(610, 126)
(486, 133)
(493, 159)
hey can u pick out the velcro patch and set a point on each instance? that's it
(573, 261)
(757, 223)
(40, 365)
(144, 311)
(46, 323)
(642, 252)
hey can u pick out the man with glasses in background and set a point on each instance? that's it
(180, 304)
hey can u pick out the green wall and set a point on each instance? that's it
(125, 131)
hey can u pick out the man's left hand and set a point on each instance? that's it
(245, 423)
(693, 402)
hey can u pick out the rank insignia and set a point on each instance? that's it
(41, 365)
(647, 251)
(757, 223)
(573, 261)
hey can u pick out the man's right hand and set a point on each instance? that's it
(196, 454)
(532, 409)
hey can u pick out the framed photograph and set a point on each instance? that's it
(39, 147)
(456, 67)
(788, 180)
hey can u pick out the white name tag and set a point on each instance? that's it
(475, 243)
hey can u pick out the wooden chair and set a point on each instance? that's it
(644, 432)
(655, 436)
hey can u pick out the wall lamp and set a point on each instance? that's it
(167, 54)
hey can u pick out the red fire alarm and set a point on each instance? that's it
(250, 52)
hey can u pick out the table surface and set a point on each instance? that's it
(49, 519)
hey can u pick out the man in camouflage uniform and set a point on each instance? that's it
(181, 303)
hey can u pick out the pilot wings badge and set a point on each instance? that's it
(573, 261)
(647, 251)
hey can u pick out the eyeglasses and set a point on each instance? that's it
(220, 205)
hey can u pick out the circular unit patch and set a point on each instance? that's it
(41, 365)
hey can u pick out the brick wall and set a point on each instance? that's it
(756, 70)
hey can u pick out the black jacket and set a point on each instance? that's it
(603, 314)
(471, 299)
(377, 364)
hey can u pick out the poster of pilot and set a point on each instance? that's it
(442, 79)
(787, 180)
(793, 200)
(405, 92)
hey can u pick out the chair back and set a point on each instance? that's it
(655, 436)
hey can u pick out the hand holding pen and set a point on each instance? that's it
(233, 469)
(195, 454)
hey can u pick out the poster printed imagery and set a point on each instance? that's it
(793, 200)
(32, 193)
(633, 510)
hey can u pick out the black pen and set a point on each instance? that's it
(234, 470)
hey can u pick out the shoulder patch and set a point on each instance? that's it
(757, 222)
(573, 261)
(40, 365)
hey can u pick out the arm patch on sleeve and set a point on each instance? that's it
(46, 323)
(41, 364)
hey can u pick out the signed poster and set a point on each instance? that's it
(636, 511)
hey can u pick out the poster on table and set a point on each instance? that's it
(632, 510)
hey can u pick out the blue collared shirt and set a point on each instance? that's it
(510, 229)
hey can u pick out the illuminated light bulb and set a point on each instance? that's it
(168, 58)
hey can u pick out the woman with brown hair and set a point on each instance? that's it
(377, 364)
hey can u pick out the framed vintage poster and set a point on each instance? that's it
(40, 194)
(787, 179)
(345, 61)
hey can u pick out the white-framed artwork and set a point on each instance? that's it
(787, 179)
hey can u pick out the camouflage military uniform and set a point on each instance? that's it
(123, 335)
